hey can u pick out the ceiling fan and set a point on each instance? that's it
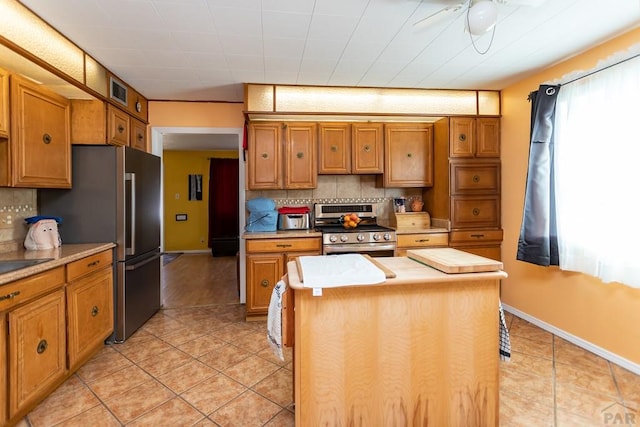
(481, 15)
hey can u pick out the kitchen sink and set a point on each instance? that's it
(8, 265)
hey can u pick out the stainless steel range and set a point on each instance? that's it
(367, 238)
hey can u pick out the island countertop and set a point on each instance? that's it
(59, 256)
(407, 271)
(421, 346)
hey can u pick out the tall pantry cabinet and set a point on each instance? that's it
(466, 189)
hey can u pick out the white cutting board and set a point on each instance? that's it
(451, 260)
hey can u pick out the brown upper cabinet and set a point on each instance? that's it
(408, 155)
(350, 148)
(118, 126)
(4, 103)
(282, 155)
(334, 142)
(474, 137)
(38, 152)
(99, 122)
(138, 139)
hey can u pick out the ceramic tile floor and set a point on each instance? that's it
(206, 366)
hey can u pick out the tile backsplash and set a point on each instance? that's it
(341, 189)
(16, 204)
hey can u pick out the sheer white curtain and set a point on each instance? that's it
(597, 159)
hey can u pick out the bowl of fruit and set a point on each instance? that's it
(350, 220)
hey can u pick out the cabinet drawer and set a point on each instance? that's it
(475, 237)
(89, 264)
(422, 240)
(284, 245)
(475, 178)
(23, 290)
(475, 212)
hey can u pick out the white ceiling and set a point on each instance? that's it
(203, 50)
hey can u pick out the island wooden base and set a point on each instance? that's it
(402, 355)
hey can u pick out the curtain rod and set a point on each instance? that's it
(600, 69)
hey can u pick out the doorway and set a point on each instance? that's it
(230, 138)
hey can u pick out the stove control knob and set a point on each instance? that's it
(333, 238)
(387, 236)
(344, 238)
(360, 237)
(376, 236)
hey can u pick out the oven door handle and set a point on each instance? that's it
(358, 247)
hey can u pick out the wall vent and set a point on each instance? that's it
(118, 91)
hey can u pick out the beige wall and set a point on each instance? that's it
(605, 315)
(196, 114)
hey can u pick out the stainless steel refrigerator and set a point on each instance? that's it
(115, 197)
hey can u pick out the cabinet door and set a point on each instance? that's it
(90, 314)
(264, 161)
(462, 136)
(36, 349)
(4, 103)
(40, 137)
(488, 141)
(138, 137)
(263, 272)
(118, 124)
(334, 148)
(367, 148)
(301, 168)
(408, 155)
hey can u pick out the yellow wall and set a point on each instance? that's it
(606, 315)
(192, 234)
(186, 236)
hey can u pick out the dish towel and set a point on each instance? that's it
(329, 271)
(505, 341)
(274, 318)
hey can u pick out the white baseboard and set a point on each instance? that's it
(194, 251)
(612, 357)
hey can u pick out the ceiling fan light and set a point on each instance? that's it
(481, 17)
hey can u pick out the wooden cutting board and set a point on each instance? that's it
(451, 260)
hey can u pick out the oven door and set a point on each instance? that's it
(371, 249)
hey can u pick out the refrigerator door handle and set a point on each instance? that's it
(141, 263)
(131, 176)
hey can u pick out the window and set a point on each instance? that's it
(597, 167)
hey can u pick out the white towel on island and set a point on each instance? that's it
(274, 318)
(330, 271)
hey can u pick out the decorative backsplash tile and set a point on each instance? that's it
(16, 204)
(341, 189)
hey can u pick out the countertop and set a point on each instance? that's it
(60, 256)
(281, 234)
(407, 272)
(421, 230)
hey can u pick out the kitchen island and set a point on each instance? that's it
(420, 349)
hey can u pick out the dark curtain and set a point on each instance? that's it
(538, 242)
(223, 199)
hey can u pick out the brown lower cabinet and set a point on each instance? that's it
(37, 350)
(52, 322)
(266, 260)
(481, 242)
